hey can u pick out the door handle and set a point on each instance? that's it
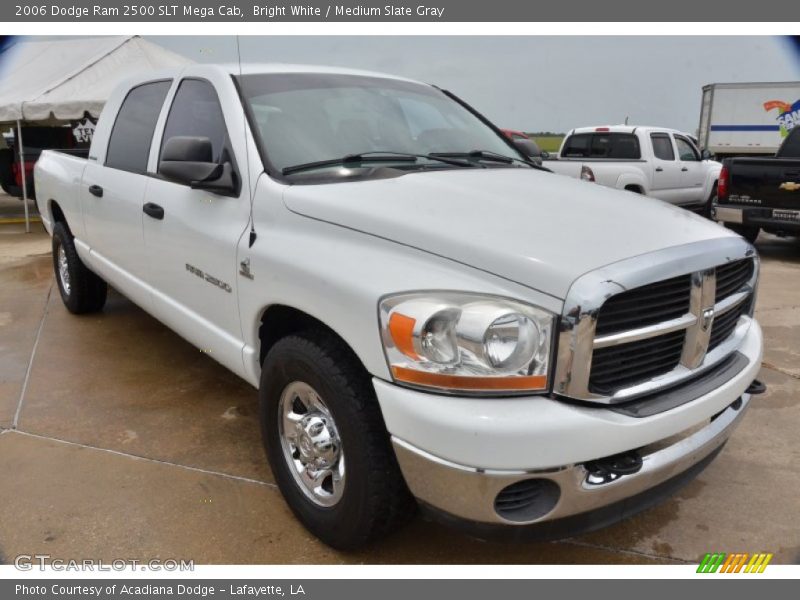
(659, 169)
(684, 169)
(153, 210)
(96, 190)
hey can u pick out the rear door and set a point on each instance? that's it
(692, 171)
(192, 249)
(112, 193)
(666, 169)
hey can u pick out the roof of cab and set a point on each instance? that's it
(265, 68)
(624, 129)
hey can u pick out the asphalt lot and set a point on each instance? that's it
(121, 440)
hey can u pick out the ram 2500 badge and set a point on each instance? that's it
(429, 318)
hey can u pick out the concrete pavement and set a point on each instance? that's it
(121, 440)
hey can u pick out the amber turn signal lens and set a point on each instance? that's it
(470, 383)
(401, 328)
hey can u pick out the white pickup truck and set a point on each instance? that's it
(429, 319)
(657, 162)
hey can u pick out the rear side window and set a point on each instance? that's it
(620, 146)
(129, 144)
(662, 146)
(577, 146)
(791, 145)
(196, 111)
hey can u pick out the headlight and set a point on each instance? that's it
(462, 342)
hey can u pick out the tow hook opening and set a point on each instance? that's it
(756, 388)
(611, 468)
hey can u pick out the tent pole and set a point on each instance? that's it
(23, 177)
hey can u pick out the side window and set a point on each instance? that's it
(662, 146)
(686, 150)
(195, 111)
(577, 146)
(129, 144)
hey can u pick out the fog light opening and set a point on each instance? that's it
(527, 500)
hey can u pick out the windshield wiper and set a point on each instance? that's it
(490, 156)
(373, 156)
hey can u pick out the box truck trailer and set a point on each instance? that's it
(752, 119)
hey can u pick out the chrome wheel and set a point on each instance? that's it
(311, 445)
(63, 270)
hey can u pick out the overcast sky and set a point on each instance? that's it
(538, 83)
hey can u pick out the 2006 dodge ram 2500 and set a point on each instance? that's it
(762, 193)
(426, 315)
(657, 162)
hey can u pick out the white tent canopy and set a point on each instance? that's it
(59, 80)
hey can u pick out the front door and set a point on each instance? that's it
(191, 243)
(666, 170)
(692, 172)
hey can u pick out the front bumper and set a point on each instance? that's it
(458, 454)
(773, 219)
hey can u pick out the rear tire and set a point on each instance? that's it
(370, 498)
(748, 232)
(712, 198)
(81, 290)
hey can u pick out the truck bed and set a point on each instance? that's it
(57, 175)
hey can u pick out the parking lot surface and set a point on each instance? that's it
(120, 440)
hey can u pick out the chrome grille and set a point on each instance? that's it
(724, 325)
(732, 276)
(664, 300)
(653, 321)
(629, 364)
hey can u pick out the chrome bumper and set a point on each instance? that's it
(469, 493)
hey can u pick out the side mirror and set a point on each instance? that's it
(189, 160)
(705, 155)
(527, 147)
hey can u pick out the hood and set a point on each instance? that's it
(535, 228)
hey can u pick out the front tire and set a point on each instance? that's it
(81, 290)
(318, 413)
(748, 232)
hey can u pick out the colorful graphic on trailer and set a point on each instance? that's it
(788, 114)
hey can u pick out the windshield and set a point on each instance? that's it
(305, 118)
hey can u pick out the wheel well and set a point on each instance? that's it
(636, 189)
(279, 320)
(58, 214)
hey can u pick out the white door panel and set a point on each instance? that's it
(666, 170)
(692, 171)
(192, 250)
(114, 221)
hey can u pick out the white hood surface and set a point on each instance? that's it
(532, 227)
